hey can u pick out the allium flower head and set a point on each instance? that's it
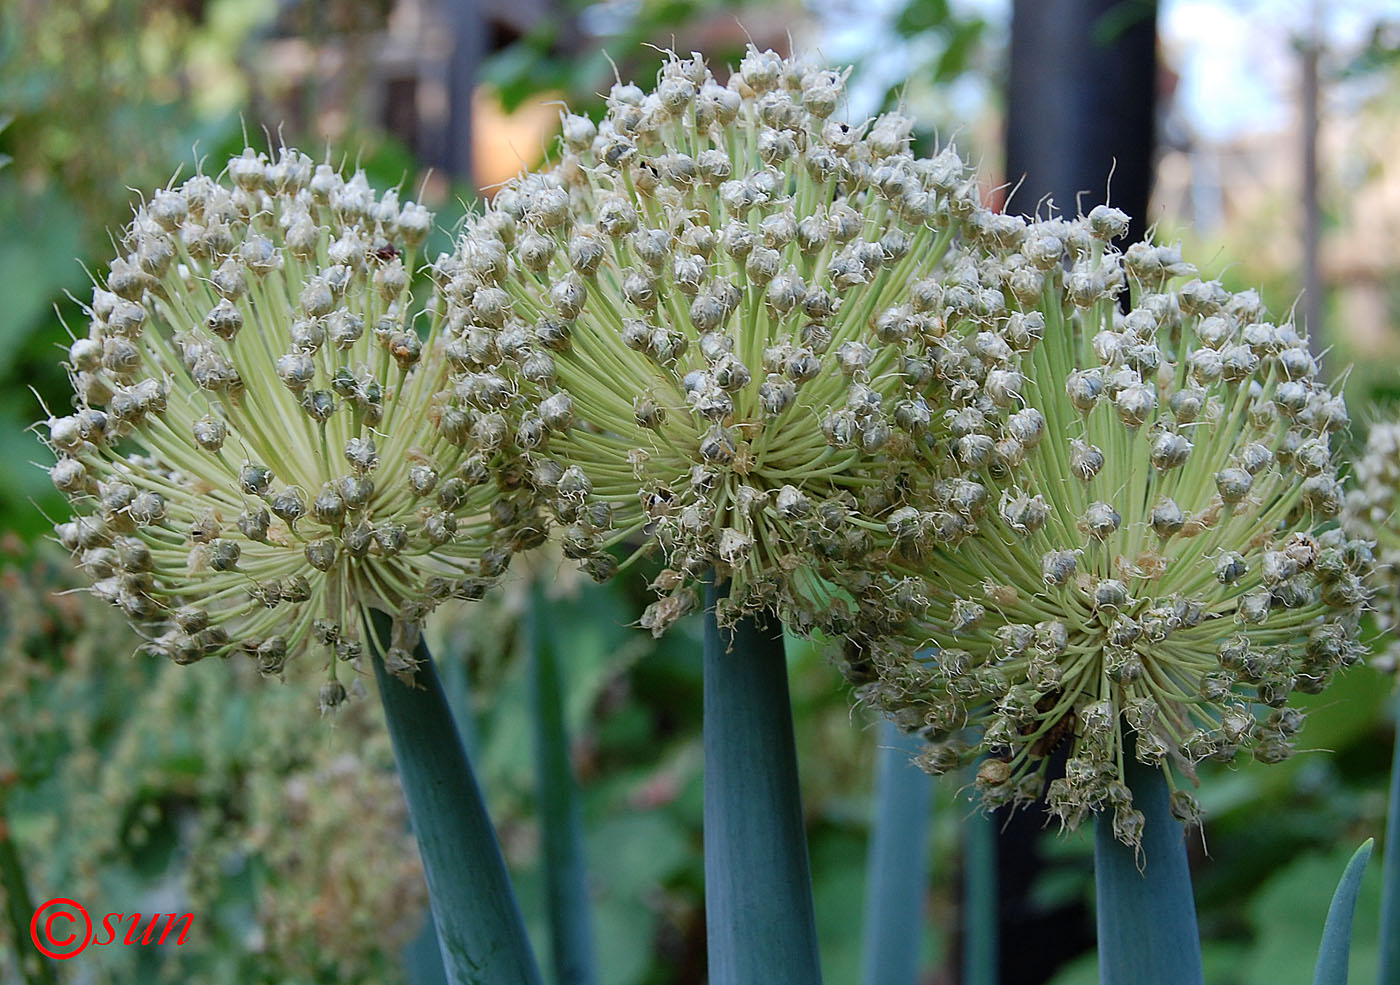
(713, 320)
(1371, 514)
(1129, 538)
(254, 456)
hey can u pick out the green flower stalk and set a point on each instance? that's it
(1129, 527)
(259, 450)
(710, 326)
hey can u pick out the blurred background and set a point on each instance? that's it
(1267, 135)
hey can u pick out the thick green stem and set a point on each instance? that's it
(422, 958)
(1146, 911)
(1390, 874)
(474, 907)
(19, 906)
(565, 867)
(980, 938)
(760, 922)
(896, 872)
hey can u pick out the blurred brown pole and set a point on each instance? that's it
(451, 153)
(1312, 207)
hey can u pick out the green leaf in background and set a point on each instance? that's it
(918, 16)
(36, 268)
(840, 858)
(602, 645)
(643, 850)
(478, 918)
(1146, 911)
(1334, 956)
(760, 922)
(565, 866)
(1288, 911)
(1390, 871)
(32, 967)
(898, 865)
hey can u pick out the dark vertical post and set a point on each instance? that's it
(1080, 106)
(451, 151)
(1081, 102)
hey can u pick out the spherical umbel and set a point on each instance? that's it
(251, 410)
(1370, 514)
(1128, 538)
(730, 294)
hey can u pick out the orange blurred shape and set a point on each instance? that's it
(505, 143)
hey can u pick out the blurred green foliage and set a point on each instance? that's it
(551, 58)
(134, 785)
(956, 38)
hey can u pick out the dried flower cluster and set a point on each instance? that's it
(1370, 514)
(775, 348)
(1132, 524)
(714, 320)
(257, 449)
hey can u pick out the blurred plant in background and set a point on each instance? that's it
(89, 86)
(136, 785)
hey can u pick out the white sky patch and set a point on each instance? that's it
(1238, 59)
